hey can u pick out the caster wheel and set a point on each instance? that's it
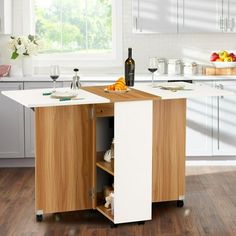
(180, 203)
(141, 223)
(113, 225)
(57, 217)
(39, 218)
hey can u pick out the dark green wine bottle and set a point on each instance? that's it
(129, 69)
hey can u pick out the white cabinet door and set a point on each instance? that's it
(159, 16)
(224, 122)
(29, 117)
(200, 16)
(133, 161)
(5, 16)
(229, 15)
(199, 127)
(11, 124)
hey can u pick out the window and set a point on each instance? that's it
(79, 30)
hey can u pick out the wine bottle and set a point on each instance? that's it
(129, 69)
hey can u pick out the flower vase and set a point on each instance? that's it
(27, 66)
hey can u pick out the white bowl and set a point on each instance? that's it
(219, 64)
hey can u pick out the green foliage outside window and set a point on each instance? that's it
(74, 25)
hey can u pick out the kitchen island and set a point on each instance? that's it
(149, 131)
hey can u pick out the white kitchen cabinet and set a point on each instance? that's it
(200, 16)
(29, 117)
(11, 124)
(5, 16)
(184, 16)
(224, 122)
(229, 16)
(199, 126)
(155, 16)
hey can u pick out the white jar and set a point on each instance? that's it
(162, 66)
(190, 68)
(174, 67)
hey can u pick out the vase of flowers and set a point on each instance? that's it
(25, 48)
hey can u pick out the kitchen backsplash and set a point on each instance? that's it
(192, 47)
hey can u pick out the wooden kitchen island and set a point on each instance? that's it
(148, 126)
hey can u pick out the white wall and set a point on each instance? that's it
(196, 47)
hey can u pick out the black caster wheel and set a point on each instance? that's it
(141, 223)
(39, 218)
(180, 203)
(57, 217)
(113, 225)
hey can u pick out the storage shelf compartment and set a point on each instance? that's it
(106, 212)
(106, 166)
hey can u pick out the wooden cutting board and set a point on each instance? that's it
(220, 71)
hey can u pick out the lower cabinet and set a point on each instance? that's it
(224, 121)
(29, 117)
(129, 173)
(11, 124)
(199, 126)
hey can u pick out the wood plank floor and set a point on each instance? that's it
(210, 209)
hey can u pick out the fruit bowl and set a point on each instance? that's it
(219, 64)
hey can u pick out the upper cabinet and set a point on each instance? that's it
(5, 16)
(155, 16)
(184, 16)
(200, 16)
(229, 15)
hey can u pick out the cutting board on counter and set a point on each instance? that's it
(220, 71)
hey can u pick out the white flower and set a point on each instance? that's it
(24, 46)
(21, 49)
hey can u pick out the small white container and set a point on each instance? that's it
(174, 66)
(162, 66)
(190, 68)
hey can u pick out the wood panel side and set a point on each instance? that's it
(63, 158)
(132, 95)
(169, 125)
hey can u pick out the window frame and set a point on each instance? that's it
(84, 60)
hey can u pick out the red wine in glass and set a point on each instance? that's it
(54, 74)
(152, 70)
(152, 67)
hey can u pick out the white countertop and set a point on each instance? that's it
(189, 91)
(35, 98)
(113, 77)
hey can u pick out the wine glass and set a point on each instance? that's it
(152, 67)
(54, 74)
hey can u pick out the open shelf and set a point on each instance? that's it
(106, 212)
(106, 166)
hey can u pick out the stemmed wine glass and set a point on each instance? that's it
(152, 67)
(54, 74)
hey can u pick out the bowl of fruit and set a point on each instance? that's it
(223, 59)
(118, 87)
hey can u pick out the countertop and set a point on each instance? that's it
(113, 77)
(189, 91)
(35, 98)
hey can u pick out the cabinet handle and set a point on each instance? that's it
(221, 24)
(218, 123)
(222, 88)
(231, 24)
(136, 23)
(19, 87)
(226, 23)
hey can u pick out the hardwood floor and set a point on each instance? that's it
(210, 209)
